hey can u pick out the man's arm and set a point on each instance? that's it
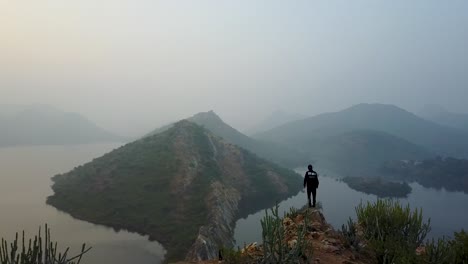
(305, 179)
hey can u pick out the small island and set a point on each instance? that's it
(440, 172)
(378, 186)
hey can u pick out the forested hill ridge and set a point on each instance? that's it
(184, 187)
(275, 119)
(362, 152)
(278, 153)
(389, 119)
(45, 125)
(448, 173)
(444, 117)
(358, 140)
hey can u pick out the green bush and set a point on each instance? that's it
(37, 251)
(232, 256)
(439, 252)
(392, 230)
(349, 232)
(275, 250)
(460, 246)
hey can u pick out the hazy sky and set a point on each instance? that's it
(133, 65)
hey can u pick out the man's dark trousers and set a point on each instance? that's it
(314, 194)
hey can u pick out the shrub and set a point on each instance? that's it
(232, 256)
(275, 248)
(460, 246)
(392, 231)
(37, 251)
(349, 232)
(439, 252)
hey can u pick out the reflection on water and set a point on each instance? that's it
(25, 174)
(25, 183)
(447, 210)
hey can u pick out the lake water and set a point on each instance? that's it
(447, 210)
(25, 174)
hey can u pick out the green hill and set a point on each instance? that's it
(443, 117)
(362, 152)
(184, 187)
(384, 118)
(275, 119)
(278, 153)
(448, 173)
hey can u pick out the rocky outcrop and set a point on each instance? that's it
(223, 203)
(325, 245)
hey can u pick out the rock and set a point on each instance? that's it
(219, 231)
(421, 251)
(299, 219)
(331, 249)
(333, 241)
(252, 250)
(292, 243)
(316, 226)
(287, 222)
(317, 235)
(317, 216)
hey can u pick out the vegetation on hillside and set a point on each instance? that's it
(385, 232)
(389, 232)
(372, 117)
(271, 151)
(282, 241)
(159, 185)
(362, 152)
(40, 250)
(378, 186)
(448, 173)
(440, 115)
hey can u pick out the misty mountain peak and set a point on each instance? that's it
(210, 120)
(375, 107)
(210, 115)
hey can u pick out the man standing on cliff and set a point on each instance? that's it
(312, 183)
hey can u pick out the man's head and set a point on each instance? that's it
(310, 167)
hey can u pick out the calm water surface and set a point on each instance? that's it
(25, 174)
(447, 210)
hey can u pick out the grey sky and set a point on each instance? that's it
(133, 65)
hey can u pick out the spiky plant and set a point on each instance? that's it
(275, 248)
(393, 231)
(37, 251)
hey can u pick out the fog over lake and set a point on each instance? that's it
(25, 174)
(447, 210)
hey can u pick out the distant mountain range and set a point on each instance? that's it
(45, 125)
(276, 119)
(366, 134)
(275, 152)
(440, 115)
(185, 187)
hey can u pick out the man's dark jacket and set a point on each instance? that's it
(311, 180)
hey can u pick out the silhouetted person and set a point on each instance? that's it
(312, 183)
